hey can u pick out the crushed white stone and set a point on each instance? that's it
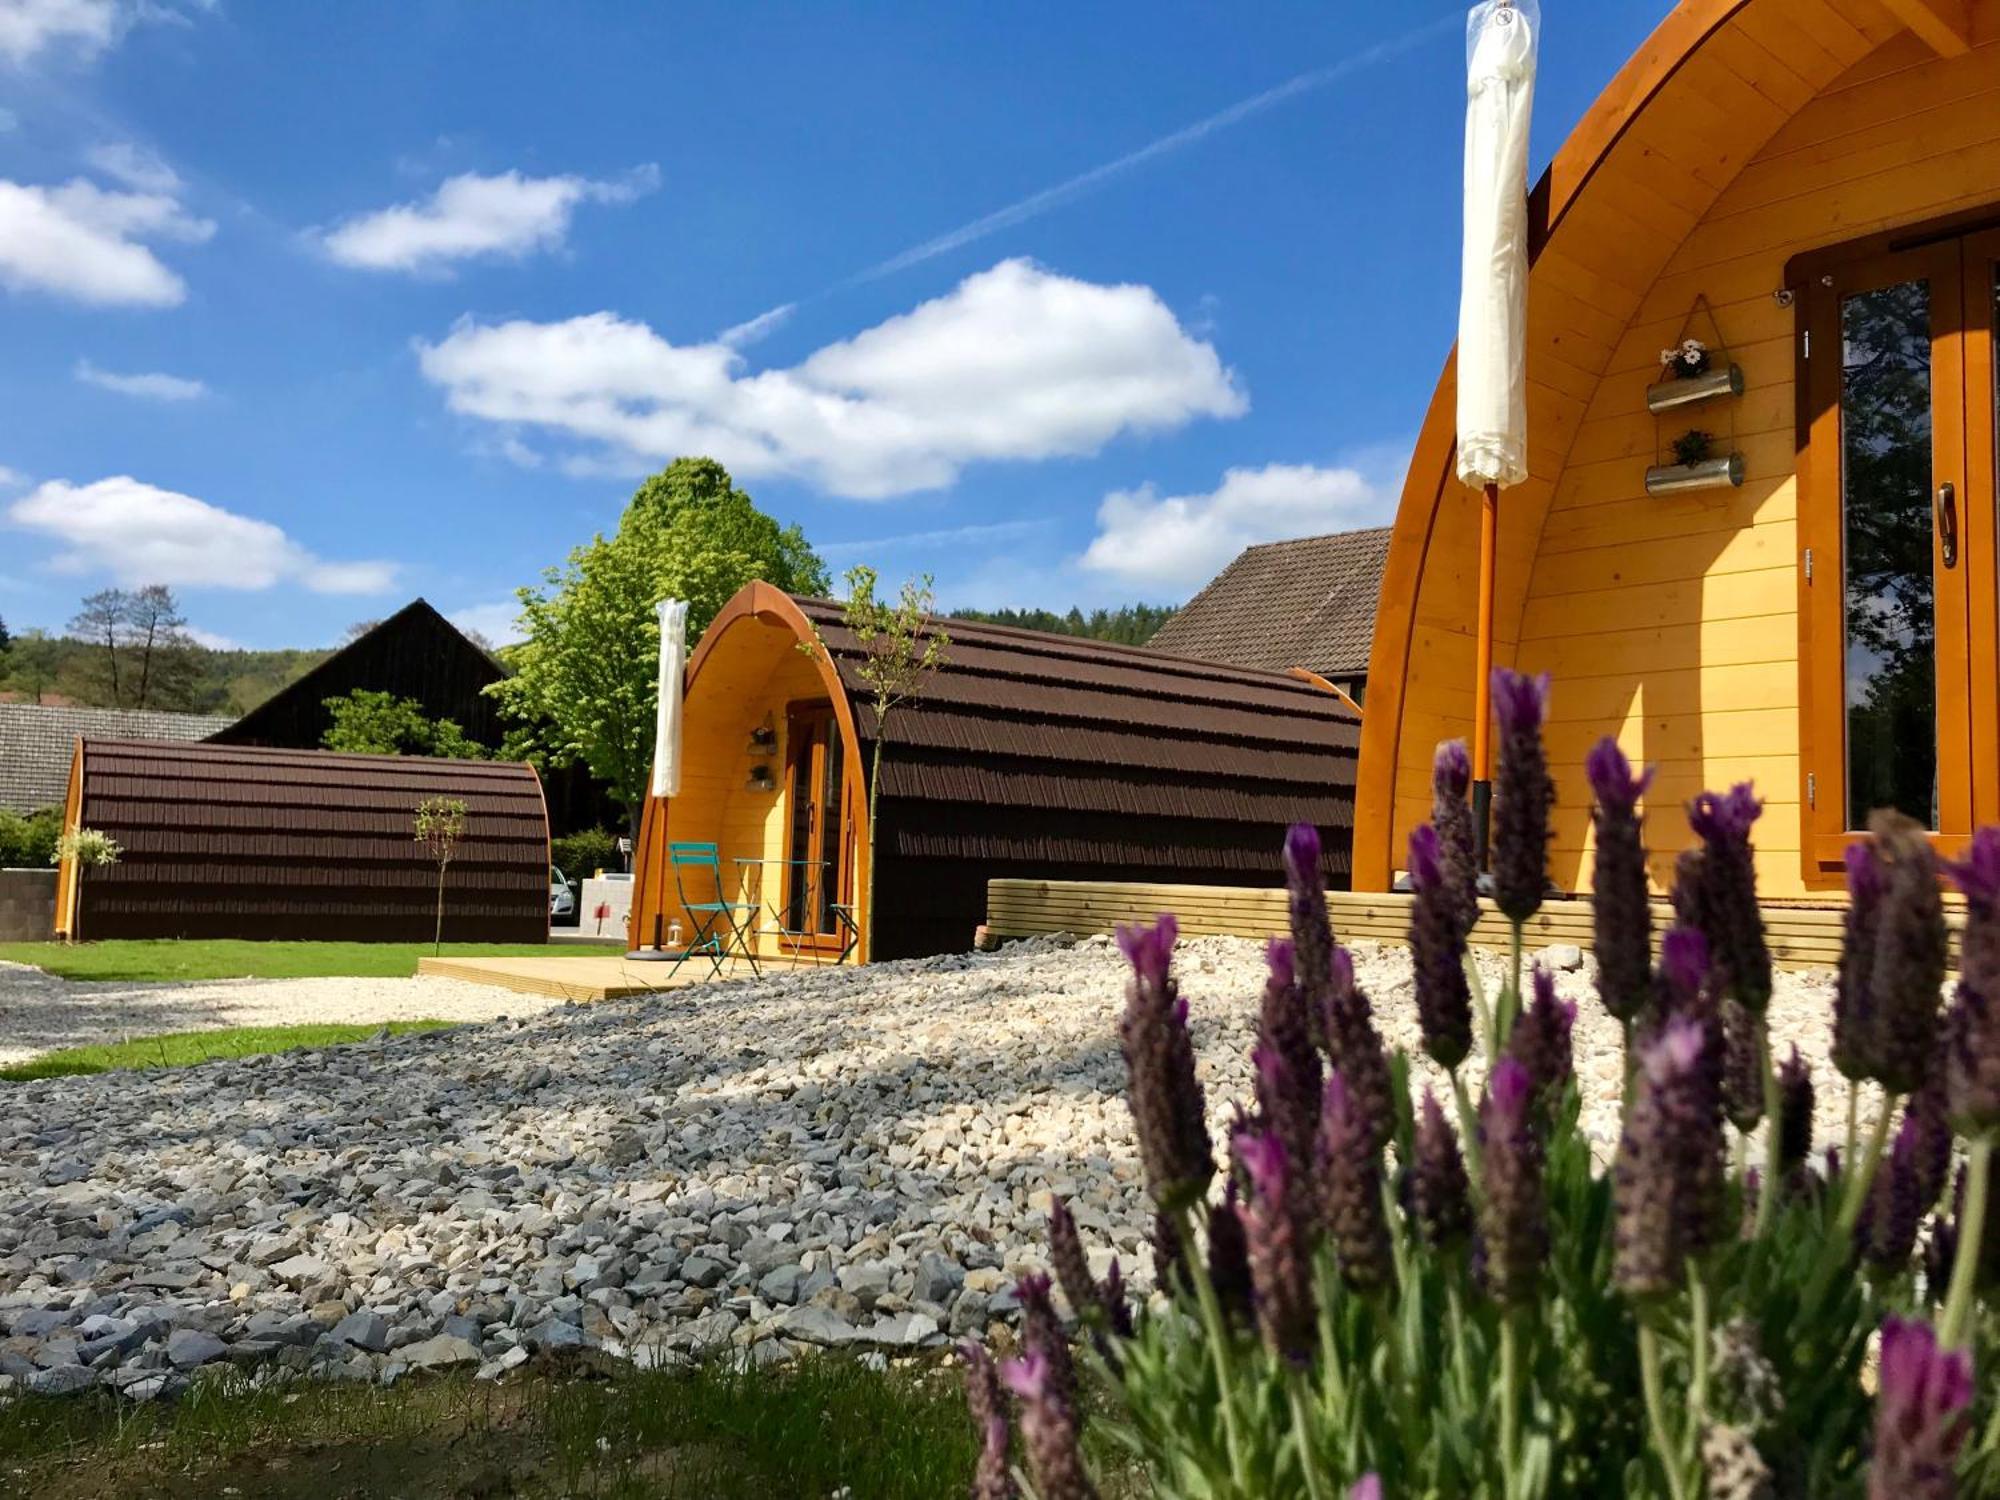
(843, 1156)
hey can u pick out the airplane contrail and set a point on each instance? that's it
(1037, 204)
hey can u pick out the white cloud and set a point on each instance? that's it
(1181, 541)
(211, 640)
(151, 386)
(141, 534)
(27, 26)
(138, 167)
(470, 215)
(86, 243)
(498, 623)
(11, 477)
(1016, 363)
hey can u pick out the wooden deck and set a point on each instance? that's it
(1801, 936)
(582, 977)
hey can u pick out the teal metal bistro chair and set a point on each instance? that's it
(721, 926)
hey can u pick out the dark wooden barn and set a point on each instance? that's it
(415, 653)
(227, 841)
(1031, 755)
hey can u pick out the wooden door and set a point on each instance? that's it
(1888, 634)
(816, 871)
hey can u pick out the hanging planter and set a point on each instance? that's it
(1707, 474)
(1688, 390)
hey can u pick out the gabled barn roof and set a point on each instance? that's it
(1305, 603)
(415, 653)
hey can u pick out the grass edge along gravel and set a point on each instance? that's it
(181, 1049)
(177, 960)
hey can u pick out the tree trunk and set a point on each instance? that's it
(874, 792)
(437, 934)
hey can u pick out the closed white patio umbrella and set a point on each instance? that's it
(667, 716)
(1501, 41)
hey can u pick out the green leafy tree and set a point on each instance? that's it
(586, 670)
(137, 652)
(1127, 625)
(368, 723)
(439, 826)
(29, 842)
(32, 664)
(901, 646)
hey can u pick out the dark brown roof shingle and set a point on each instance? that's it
(1306, 603)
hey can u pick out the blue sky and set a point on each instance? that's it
(308, 310)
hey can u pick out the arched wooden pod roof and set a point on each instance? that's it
(1741, 133)
(1039, 755)
(238, 842)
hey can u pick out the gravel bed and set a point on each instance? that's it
(41, 1012)
(815, 1158)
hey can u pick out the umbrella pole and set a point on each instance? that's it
(1482, 687)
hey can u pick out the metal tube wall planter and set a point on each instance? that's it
(1669, 394)
(1710, 474)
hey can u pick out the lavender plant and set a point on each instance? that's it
(1381, 1297)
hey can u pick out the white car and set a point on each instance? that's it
(562, 898)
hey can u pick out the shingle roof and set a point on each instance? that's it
(1307, 603)
(37, 742)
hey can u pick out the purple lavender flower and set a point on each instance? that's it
(1229, 1259)
(1542, 1036)
(1513, 1210)
(1170, 1267)
(1724, 894)
(1667, 1182)
(1441, 1197)
(991, 1479)
(1930, 1132)
(1288, 1064)
(1886, 1233)
(1908, 977)
(1437, 950)
(1048, 1427)
(1280, 1270)
(1451, 778)
(1795, 1112)
(1853, 1018)
(1350, 1165)
(1948, 1234)
(1620, 899)
(1355, 1047)
(1742, 1065)
(1116, 1304)
(1042, 1331)
(1922, 1416)
(1312, 932)
(1162, 1090)
(1682, 982)
(1072, 1266)
(1972, 1051)
(1367, 1487)
(1522, 794)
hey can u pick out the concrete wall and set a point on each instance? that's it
(27, 905)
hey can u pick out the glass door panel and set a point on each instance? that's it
(1892, 725)
(815, 825)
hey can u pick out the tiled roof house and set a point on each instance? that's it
(37, 742)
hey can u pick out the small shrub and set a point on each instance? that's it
(29, 843)
(1384, 1297)
(579, 855)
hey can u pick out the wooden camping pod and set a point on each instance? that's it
(1743, 139)
(1026, 755)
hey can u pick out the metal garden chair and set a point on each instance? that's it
(720, 928)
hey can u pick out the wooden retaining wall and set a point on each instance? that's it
(1801, 937)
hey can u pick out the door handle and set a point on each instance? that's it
(1947, 522)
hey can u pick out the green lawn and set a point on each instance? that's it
(179, 1049)
(223, 958)
(825, 1426)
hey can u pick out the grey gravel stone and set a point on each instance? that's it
(439, 1350)
(189, 1347)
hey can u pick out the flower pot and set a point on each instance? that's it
(1668, 394)
(1709, 474)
